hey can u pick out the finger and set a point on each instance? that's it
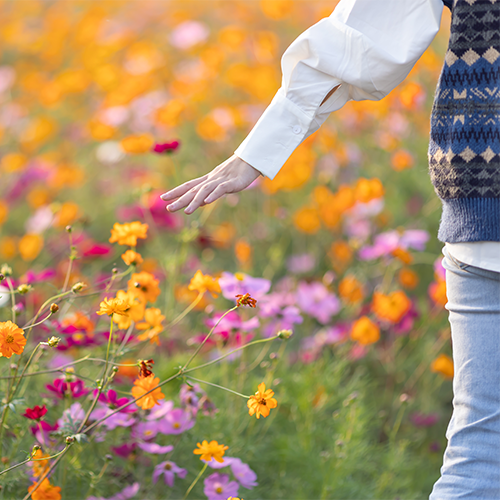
(182, 189)
(219, 191)
(200, 196)
(183, 201)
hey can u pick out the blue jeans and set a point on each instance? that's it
(471, 463)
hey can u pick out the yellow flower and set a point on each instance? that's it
(12, 339)
(131, 257)
(145, 285)
(262, 402)
(127, 234)
(135, 311)
(210, 450)
(141, 143)
(45, 491)
(204, 283)
(143, 385)
(113, 306)
(391, 307)
(153, 319)
(443, 364)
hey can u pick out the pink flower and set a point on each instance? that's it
(240, 284)
(62, 389)
(35, 413)
(218, 487)
(315, 299)
(176, 421)
(169, 470)
(387, 242)
(155, 448)
(243, 474)
(188, 34)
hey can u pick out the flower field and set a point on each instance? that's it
(286, 342)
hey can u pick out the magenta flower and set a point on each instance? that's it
(96, 250)
(167, 147)
(42, 431)
(124, 450)
(176, 421)
(315, 299)
(112, 401)
(243, 474)
(240, 284)
(155, 448)
(35, 413)
(218, 487)
(407, 321)
(145, 430)
(169, 470)
(424, 420)
(62, 389)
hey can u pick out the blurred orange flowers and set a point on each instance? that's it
(146, 286)
(141, 386)
(260, 403)
(210, 450)
(127, 234)
(365, 331)
(391, 307)
(204, 283)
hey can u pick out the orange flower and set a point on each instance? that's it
(131, 257)
(135, 311)
(80, 321)
(40, 466)
(67, 214)
(30, 246)
(146, 285)
(391, 307)
(408, 278)
(403, 255)
(443, 364)
(210, 450)
(401, 160)
(368, 189)
(365, 331)
(243, 252)
(153, 325)
(340, 254)
(260, 403)
(307, 220)
(11, 339)
(351, 290)
(143, 385)
(127, 234)
(128, 371)
(45, 491)
(141, 143)
(113, 306)
(204, 283)
(4, 211)
(437, 292)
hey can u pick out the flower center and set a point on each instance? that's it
(9, 339)
(219, 489)
(147, 433)
(262, 402)
(177, 425)
(168, 466)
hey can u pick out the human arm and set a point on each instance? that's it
(361, 51)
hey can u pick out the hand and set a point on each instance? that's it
(231, 176)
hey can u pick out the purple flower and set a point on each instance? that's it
(243, 474)
(281, 308)
(71, 418)
(315, 299)
(125, 494)
(219, 465)
(112, 422)
(176, 421)
(114, 402)
(303, 263)
(218, 487)
(232, 322)
(155, 448)
(124, 450)
(169, 470)
(407, 321)
(240, 284)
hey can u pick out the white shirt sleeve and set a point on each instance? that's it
(366, 46)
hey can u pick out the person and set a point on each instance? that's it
(363, 50)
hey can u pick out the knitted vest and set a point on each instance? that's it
(464, 147)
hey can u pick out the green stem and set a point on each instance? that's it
(12, 298)
(219, 386)
(196, 480)
(186, 311)
(39, 323)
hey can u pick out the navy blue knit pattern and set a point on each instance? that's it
(464, 148)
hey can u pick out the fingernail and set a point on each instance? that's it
(208, 199)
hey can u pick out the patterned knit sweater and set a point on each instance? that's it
(464, 149)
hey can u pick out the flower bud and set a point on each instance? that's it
(6, 270)
(404, 398)
(70, 439)
(68, 228)
(78, 287)
(24, 288)
(36, 447)
(53, 341)
(2, 277)
(285, 334)
(54, 308)
(115, 270)
(108, 457)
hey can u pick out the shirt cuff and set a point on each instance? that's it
(277, 133)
